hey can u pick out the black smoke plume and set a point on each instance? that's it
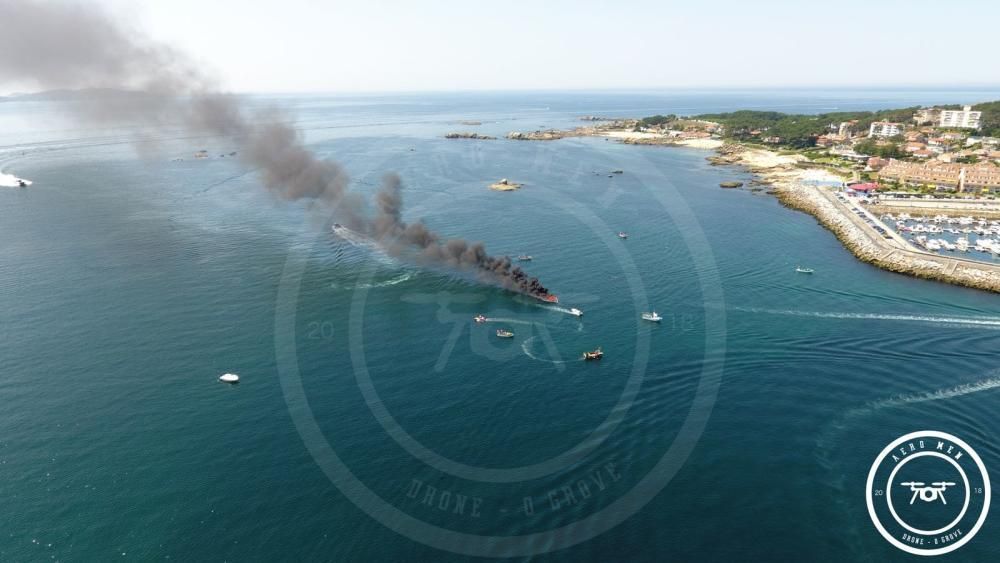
(397, 236)
(66, 45)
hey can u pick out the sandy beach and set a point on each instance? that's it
(708, 144)
(779, 170)
(630, 135)
(643, 138)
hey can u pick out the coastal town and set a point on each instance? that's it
(883, 182)
(938, 151)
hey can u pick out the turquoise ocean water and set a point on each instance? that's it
(375, 421)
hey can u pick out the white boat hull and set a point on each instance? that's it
(229, 378)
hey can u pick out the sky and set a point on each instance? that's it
(431, 45)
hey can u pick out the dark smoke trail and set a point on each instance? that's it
(51, 45)
(394, 234)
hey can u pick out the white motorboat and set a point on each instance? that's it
(802, 270)
(229, 378)
(652, 317)
(576, 312)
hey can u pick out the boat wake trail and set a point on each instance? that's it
(12, 181)
(226, 180)
(830, 437)
(363, 242)
(839, 425)
(509, 321)
(526, 346)
(554, 308)
(967, 321)
(393, 281)
(373, 285)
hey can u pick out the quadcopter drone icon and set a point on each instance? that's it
(928, 493)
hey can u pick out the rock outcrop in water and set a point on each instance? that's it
(469, 136)
(505, 185)
(546, 135)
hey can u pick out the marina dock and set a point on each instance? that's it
(890, 251)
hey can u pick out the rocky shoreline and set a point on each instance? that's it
(786, 175)
(809, 200)
(463, 135)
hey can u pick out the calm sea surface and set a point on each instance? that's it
(375, 421)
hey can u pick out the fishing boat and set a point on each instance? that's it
(504, 333)
(575, 312)
(479, 318)
(622, 235)
(594, 355)
(802, 270)
(229, 378)
(524, 258)
(652, 317)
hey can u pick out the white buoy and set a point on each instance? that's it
(229, 378)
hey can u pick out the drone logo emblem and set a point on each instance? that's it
(928, 494)
(948, 478)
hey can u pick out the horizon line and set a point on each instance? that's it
(632, 89)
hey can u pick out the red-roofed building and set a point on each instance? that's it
(866, 188)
